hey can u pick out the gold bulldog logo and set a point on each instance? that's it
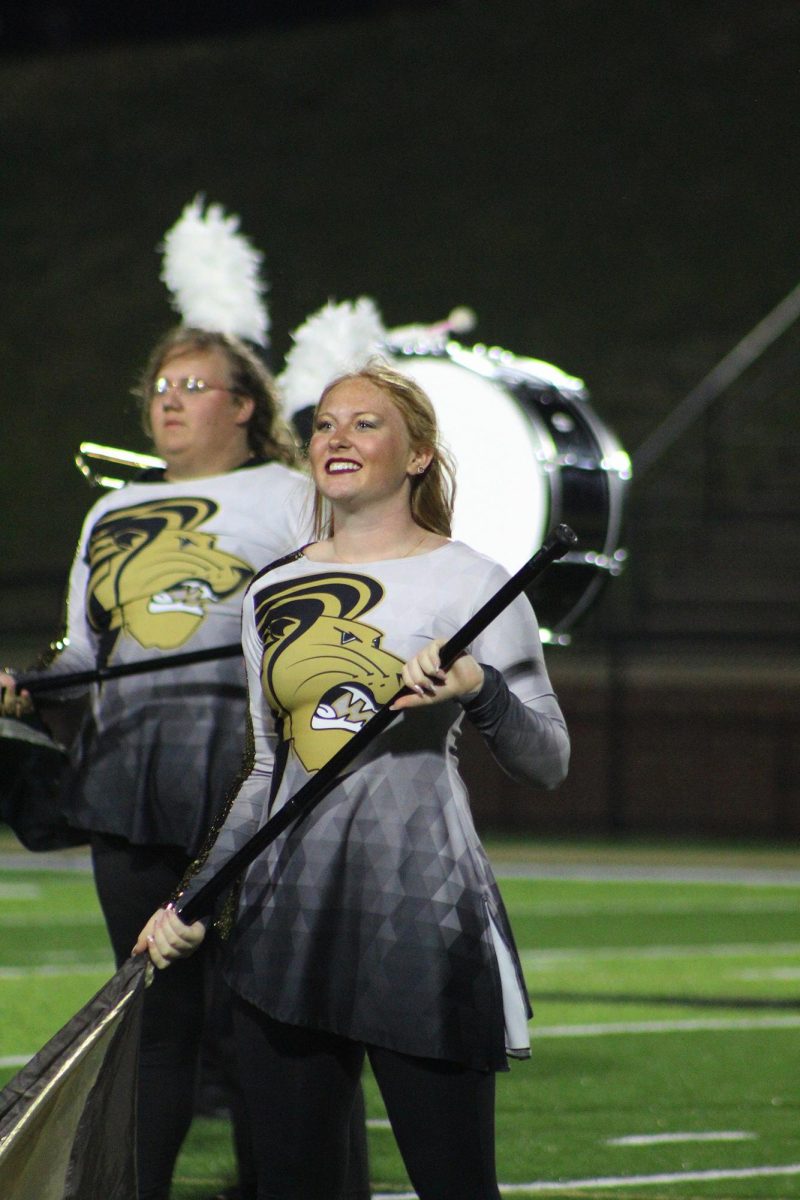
(324, 671)
(153, 575)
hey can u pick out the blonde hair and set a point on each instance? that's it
(268, 435)
(433, 491)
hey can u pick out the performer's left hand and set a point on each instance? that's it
(430, 684)
(13, 703)
(166, 937)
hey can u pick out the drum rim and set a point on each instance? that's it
(609, 465)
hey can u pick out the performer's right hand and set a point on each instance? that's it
(166, 937)
(12, 702)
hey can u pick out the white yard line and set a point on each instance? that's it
(717, 950)
(652, 873)
(20, 891)
(610, 1181)
(666, 1139)
(645, 907)
(696, 1025)
(15, 1060)
(634, 1139)
(617, 1181)
(55, 969)
(22, 920)
(782, 974)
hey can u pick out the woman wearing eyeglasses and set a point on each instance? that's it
(161, 567)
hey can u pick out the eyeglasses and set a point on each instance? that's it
(190, 385)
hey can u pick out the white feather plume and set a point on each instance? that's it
(214, 274)
(334, 340)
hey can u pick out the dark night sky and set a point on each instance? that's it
(65, 24)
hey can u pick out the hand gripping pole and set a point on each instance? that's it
(315, 789)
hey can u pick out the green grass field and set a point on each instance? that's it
(666, 983)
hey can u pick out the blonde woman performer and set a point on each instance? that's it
(374, 926)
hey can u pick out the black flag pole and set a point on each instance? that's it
(556, 545)
(49, 681)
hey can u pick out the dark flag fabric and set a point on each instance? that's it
(68, 1118)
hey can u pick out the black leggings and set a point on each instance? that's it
(442, 1114)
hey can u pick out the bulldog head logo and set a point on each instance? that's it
(324, 671)
(153, 575)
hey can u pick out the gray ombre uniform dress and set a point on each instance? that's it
(377, 917)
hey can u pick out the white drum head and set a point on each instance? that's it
(502, 496)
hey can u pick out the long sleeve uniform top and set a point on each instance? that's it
(377, 915)
(161, 568)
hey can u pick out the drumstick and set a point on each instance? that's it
(315, 789)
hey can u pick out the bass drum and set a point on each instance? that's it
(530, 453)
